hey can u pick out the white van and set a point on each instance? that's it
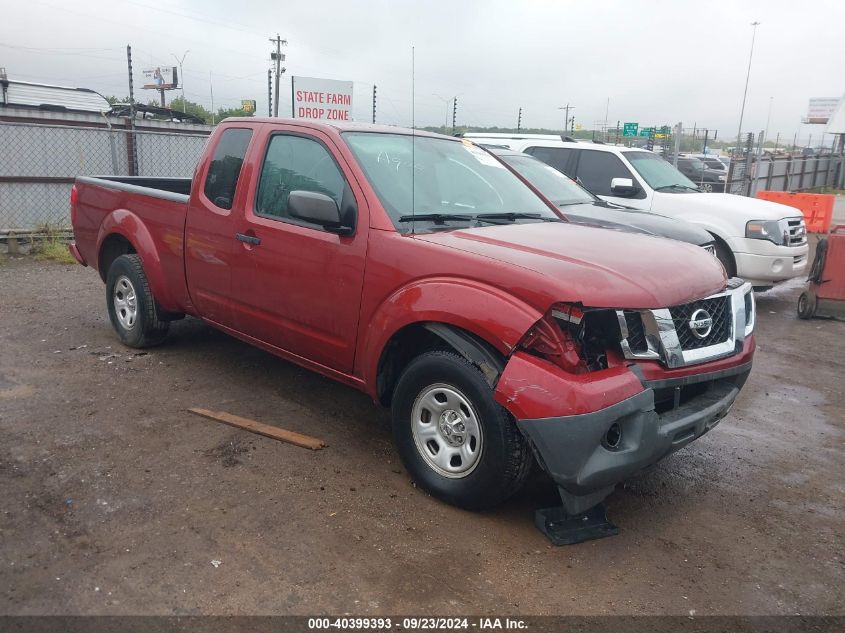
(763, 242)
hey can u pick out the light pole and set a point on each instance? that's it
(768, 119)
(448, 107)
(182, 78)
(745, 92)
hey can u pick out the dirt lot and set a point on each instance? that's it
(117, 501)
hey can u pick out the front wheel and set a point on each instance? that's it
(132, 309)
(706, 187)
(454, 439)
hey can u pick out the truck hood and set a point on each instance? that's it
(597, 267)
(622, 218)
(738, 208)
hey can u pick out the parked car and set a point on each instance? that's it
(708, 180)
(713, 162)
(760, 241)
(582, 207)
(419, 269)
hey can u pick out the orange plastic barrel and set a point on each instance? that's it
(816, 207)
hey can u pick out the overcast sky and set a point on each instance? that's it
(657, 62)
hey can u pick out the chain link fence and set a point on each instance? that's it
(39, 162)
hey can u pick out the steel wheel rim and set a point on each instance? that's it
(447, 431)
(125, 302)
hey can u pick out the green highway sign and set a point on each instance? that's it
(630, 129)
(646, 131)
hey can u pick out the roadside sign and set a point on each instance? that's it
(630, 129)
(646, 131)
(160, 78)
(248, 106)
(326, 99)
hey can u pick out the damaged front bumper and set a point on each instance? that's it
(636, 418)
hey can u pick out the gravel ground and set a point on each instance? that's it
(117, 501)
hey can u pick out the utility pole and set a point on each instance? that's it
(277, 57)
(567, 107)
(181, 80)
(519, 121)
(745, 92)
(374, 103)
(211, 88)
(454, 113)
(131, 146)
(269, 92)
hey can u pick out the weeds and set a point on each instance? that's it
(52, 245)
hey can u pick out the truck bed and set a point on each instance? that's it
(149, 213)
(144, 185)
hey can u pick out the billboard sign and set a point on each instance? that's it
(630, 129)
(248, 106)
(161, 78)
(325, 99)
(821, 109)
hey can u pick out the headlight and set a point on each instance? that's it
(776, 231)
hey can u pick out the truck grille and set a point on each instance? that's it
(636, 331)
(797, 231)
(715, 309)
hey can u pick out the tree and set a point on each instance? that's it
(190, 108)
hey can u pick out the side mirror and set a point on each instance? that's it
(317, 208)
(623, 187)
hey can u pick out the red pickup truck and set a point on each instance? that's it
(421, 270)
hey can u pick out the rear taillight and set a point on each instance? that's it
(74, 194)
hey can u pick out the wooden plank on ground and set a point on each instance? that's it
(298, 439)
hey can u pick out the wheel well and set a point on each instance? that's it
(113, 247)
(723, 245)
(418, 338)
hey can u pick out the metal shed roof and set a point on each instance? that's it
(24, 93)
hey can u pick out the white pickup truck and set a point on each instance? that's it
(760, 241)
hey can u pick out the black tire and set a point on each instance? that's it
(724, 255)
(145, 329)
(504, 459)
(806, 305)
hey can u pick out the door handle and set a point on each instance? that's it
(249, 239)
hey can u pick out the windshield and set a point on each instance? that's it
(415, 175)
(659, 174)
(557, 187)
(696, 164)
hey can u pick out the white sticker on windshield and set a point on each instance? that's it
(481, 156)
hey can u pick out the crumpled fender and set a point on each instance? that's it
(125, 223)
(488, 312)
(531, 388)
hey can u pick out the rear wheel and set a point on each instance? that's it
(706, 187)
(454, 439)
(132, 309)
(806, 305)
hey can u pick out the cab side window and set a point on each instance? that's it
(295, 163)
(225, 167)
(557, 157)
(596, 169)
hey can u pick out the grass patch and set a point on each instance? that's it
(838, 192)
(52, 246)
